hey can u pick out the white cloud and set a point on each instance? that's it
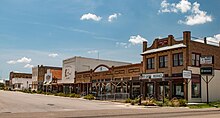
(136, 39)
(53, 55)
(22, 60)
(195, 17)
(183, 6)
(28, 66)
(92, 51)
(214, 40)
(90, 16)
(113, 16)
(122, 44)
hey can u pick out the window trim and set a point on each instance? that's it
(195, 59)
(178, 59)
(165, 62)
(152, 66)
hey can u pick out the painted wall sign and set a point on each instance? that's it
(187, 74)
(206, 60)
(162, 42)
(206, 70)
(152, 76)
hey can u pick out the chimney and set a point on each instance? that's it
(186, 37)
(170, 40)
(144, 46)
(205, 41)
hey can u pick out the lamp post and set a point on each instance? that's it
(163, 80)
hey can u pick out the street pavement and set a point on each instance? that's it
(23, 105)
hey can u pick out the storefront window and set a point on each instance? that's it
(196, 87)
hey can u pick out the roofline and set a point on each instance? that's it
(96, 59)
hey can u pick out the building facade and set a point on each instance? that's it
(112, 80)
(51, 79)
(163, 65)
(20, 81)
(38, 75)
(71, 65)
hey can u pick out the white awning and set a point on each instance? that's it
(164, 48)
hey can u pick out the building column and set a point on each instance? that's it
(170, 89)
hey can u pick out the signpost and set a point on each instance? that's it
(207, 70)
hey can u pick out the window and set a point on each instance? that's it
(178, 59)
(150, 63)
(196, 87)
(195, 59)
(163, 61)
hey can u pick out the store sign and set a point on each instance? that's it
(206, 60)
(206, 71)
(48, 77)
(187, 74)
(152, 76)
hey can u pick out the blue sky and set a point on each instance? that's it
(35, 32)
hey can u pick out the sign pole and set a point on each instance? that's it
(207, 89)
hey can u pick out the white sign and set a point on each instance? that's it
(152, 76)
(48, 77)
(187, 74)
(206, 60)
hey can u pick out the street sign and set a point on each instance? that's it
(206, 60)
(187, 74)
(152, 76)
(206, 70)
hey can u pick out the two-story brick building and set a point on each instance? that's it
(163, 65)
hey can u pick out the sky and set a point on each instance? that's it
(45, 32)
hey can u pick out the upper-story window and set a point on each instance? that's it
(163, 61)
(195, 59)
(150, 63)
(178, 59)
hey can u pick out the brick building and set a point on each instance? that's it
(38, 75)
(167, 58)
(111, 80)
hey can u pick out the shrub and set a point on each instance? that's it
(128, 100)
(182, 102)
(77, 96)
(89, 97)
(150, 102)
(132, 102)
(34, 91)
(175, 102)
(39, 92)
(59, 94)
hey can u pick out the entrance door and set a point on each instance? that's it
(178, 90)
(163, 88)
(150, 90)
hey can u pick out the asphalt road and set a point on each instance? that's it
(22, 105)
